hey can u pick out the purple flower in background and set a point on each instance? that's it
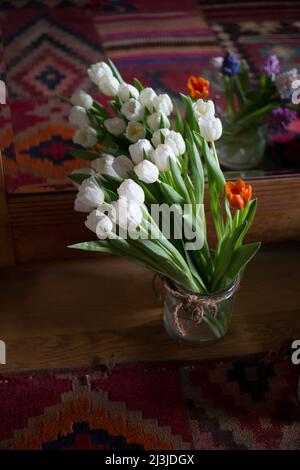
(230, 65)
(272, 65)
(281, 118)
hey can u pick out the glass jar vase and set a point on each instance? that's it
(242, 149)
(198, 320)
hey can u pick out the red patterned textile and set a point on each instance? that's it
(229, 404)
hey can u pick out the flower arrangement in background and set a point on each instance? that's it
(141, 158)
(252, 107)
(269, 99)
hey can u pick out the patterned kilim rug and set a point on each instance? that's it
(46, 46)
(229, 404)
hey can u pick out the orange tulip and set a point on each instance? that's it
(198, 87)
(238, 193)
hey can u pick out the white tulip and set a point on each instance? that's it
(78, 117)
(210, 129)
(132, 191)
(99, 70)
(99, 223)
(204, 109)
(147, 172)
(147, 96)
(81, 98)
(135, 131)
(217, 62)
(126, 213)
(122, 165)
(157, 136)
(133, 110)
(104, 165)
(176, 142)
(154, 120)
(163, 103)
(80, 206)
(126, 91)
(86, 136)
(161, 155)
(90, 196)
(138, 149)
(108, 85)
(115, 126)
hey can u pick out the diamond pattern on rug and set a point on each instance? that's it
(48, 45)
(37, 140)
(242, 405)
(155, 406)
(91, 415)
(56, 51)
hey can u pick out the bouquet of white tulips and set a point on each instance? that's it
(144, 188)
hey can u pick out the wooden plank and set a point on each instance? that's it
(43, 225)
(79, 313)
(6, 248)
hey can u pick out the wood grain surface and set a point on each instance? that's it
(83, 312)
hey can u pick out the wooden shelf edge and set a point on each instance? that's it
(43, 225)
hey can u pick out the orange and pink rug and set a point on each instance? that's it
(226, 404)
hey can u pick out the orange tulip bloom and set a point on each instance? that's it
(198, 87)
(238, 193)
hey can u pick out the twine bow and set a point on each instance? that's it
(193, 303)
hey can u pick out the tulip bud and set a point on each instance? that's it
(133, 110)
(138, 149)
(108, 85)
(204, 109)
(78, 117)
(132, 191)
(122, 165)
(147, 172)
(127, 91)
(80, 98)
(86, 136)
(99, 70)
(99, 223)
(176, 142)
(217, 62)
(104, 165)
(135, 131)
(163, 103)
(127, 213)
(210, 129)
(159, 136)
(161, 155)
(90, 195)
(147, 96)
(115, 126)
(155, 120)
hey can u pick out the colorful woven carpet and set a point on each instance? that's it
(229, 404)
(46, 46)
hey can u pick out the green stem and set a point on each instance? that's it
(214, 325)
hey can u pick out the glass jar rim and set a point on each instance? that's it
(218, 296)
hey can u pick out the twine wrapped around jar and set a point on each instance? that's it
(194, 303)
